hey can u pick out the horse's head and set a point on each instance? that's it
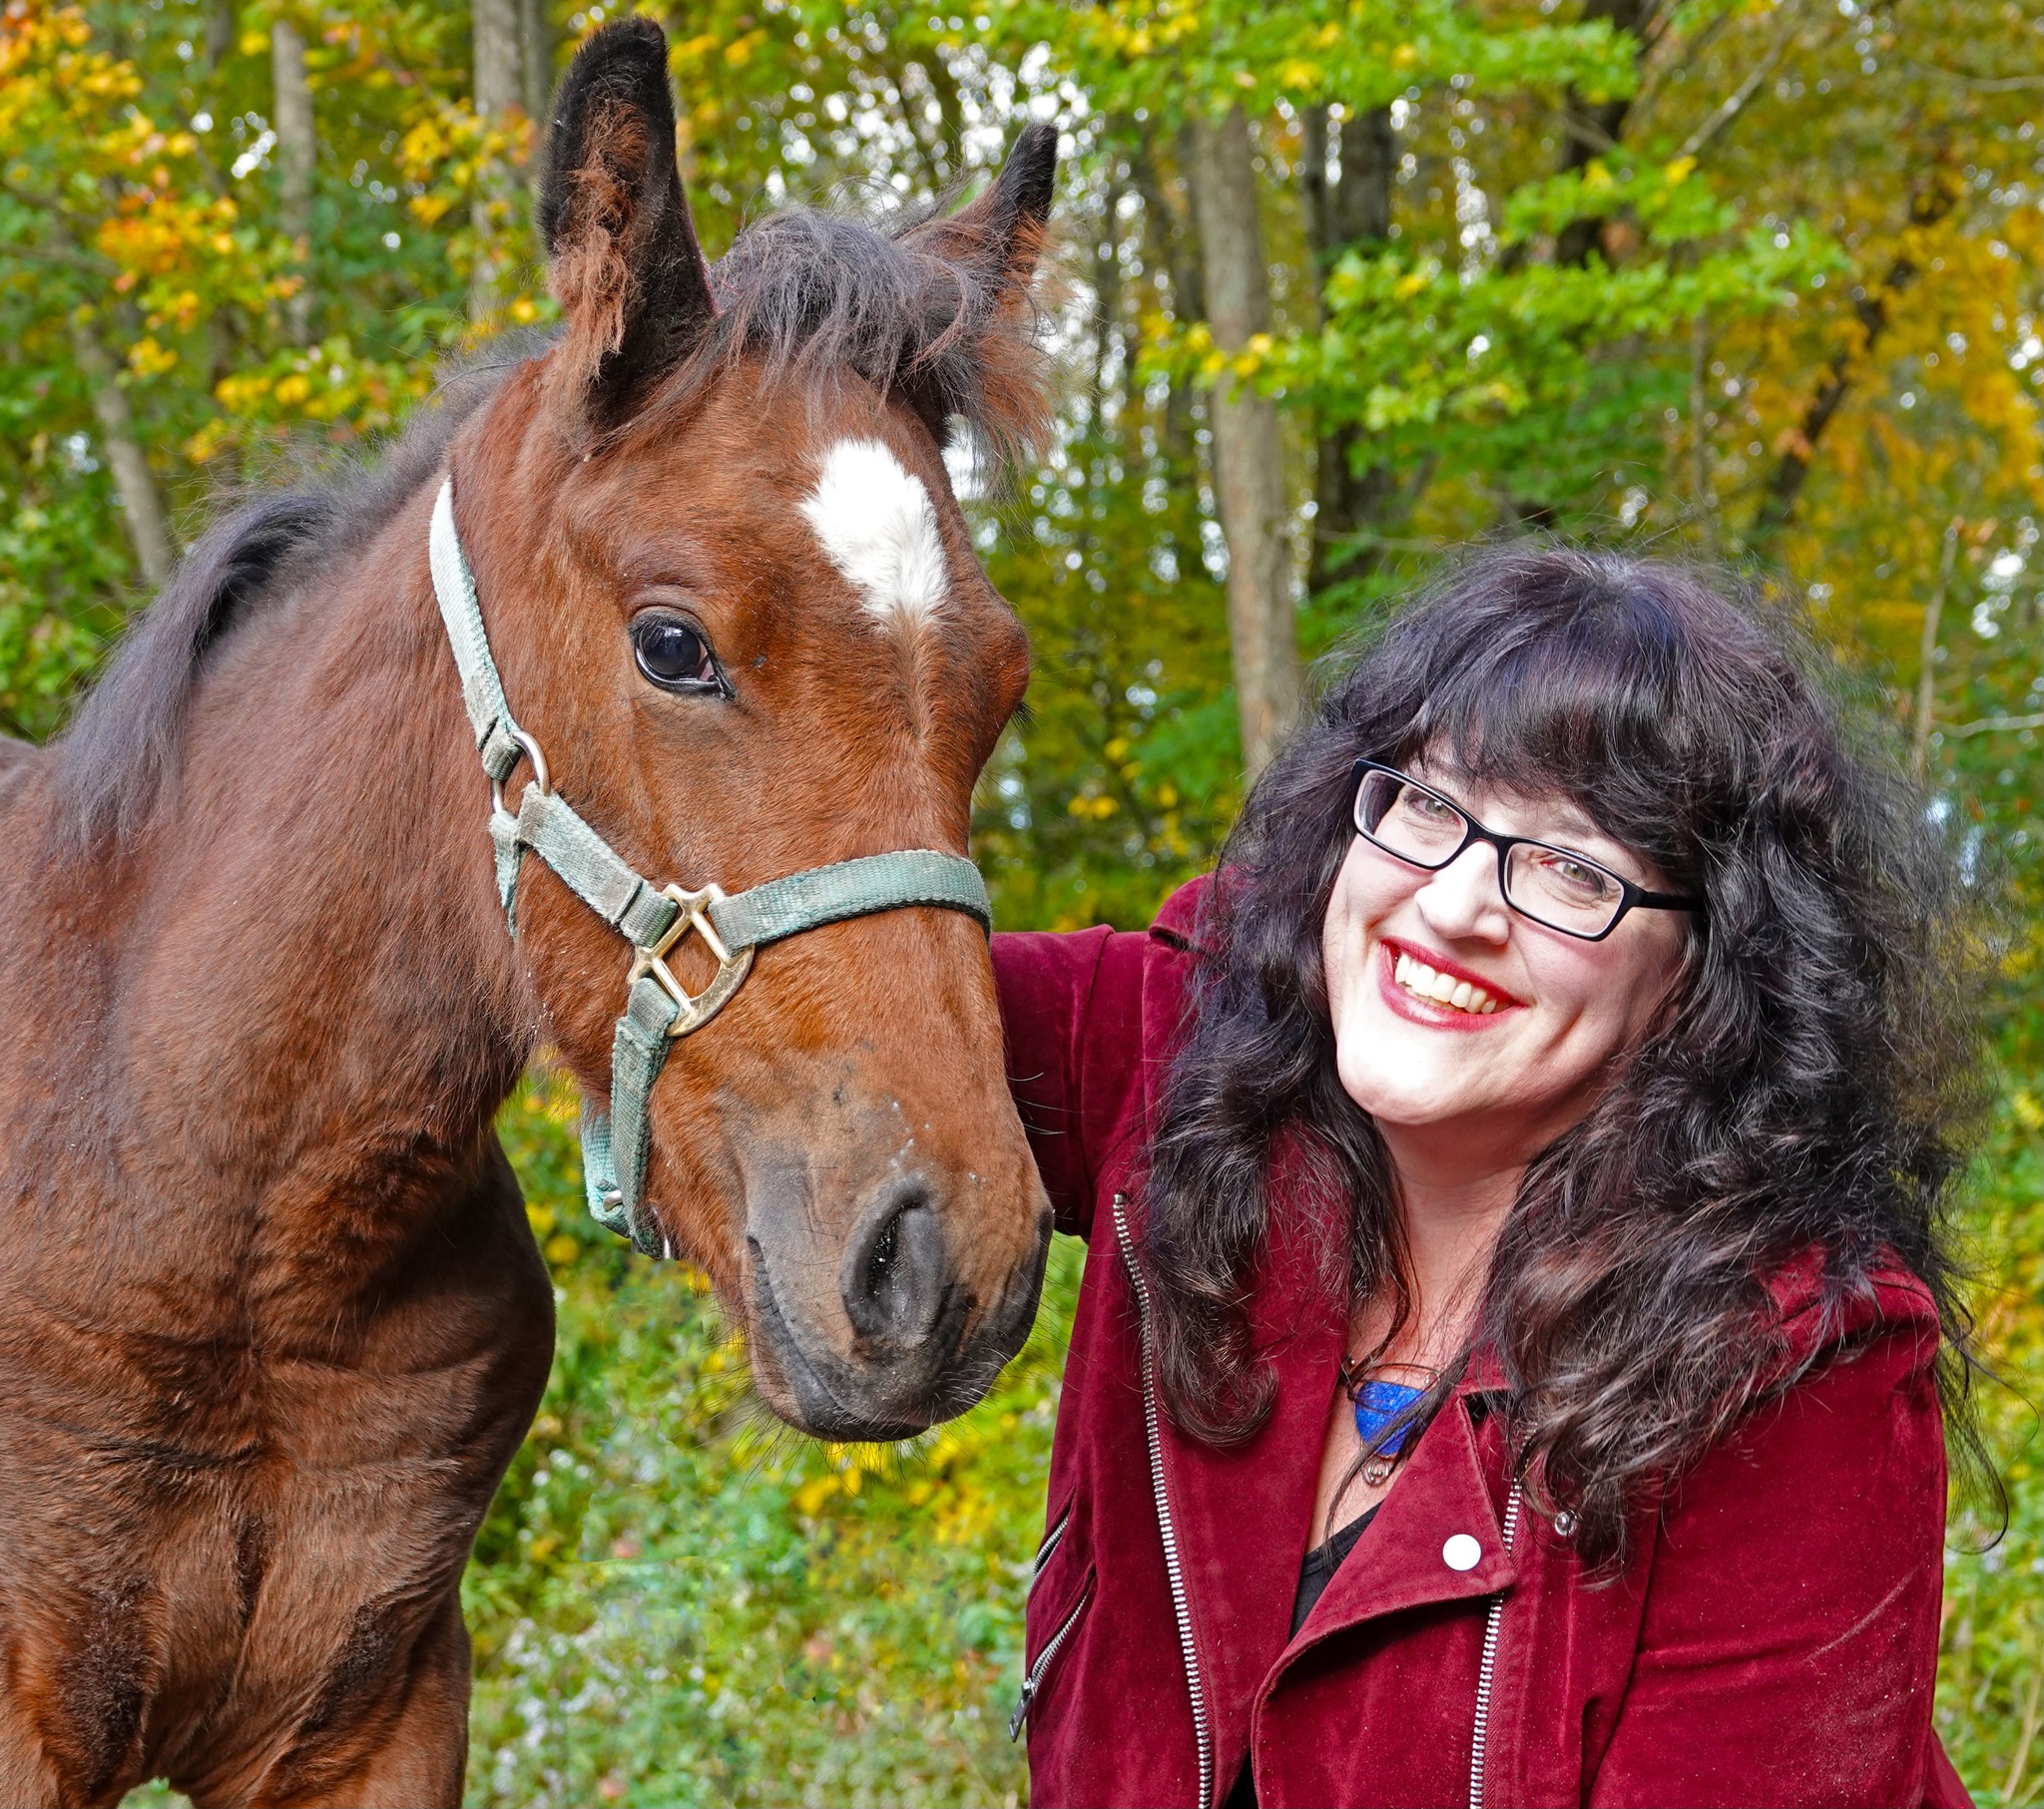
(734, 599)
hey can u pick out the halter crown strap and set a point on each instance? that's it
(615, 1143)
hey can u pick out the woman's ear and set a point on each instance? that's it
(623, 257)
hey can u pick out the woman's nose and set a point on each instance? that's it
(1463, 898)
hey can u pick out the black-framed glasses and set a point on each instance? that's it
(1556, 887)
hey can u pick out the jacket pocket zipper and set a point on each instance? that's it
(1051, 1541)
(1486, 1670)
(1050, 1650)
(1203, 1733)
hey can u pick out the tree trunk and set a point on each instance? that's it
(134, 480)
(297, 151)
(499, 91)
(1171, 244)
(220, 34)
(1354, 212)
(536, 64)
(1589, 126)
(1249, 450)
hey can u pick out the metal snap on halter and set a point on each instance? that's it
(1461, 1553)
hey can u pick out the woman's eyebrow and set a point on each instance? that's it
(1573, 825)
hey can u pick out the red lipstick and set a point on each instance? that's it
(1434, 1016)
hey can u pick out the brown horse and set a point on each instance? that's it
(272, 1320)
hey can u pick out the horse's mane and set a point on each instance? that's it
(919, 312)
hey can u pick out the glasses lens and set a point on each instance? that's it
(1413, 823)
(1562, 889)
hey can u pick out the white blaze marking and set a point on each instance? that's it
(878, 525)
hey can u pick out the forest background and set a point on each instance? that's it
(1350, 281)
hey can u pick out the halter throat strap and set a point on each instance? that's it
(654, 920)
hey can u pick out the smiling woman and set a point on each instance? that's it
(1528, 1334)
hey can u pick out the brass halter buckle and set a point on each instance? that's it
(730, 969)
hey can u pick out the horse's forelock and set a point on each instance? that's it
(928, 312)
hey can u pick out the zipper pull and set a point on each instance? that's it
(1021, 1713)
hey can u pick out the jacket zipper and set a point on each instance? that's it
(1051, 1541)
(1203, 1733)
(1042, 1665)
(1488, 1670)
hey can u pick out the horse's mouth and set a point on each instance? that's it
(880, 1395)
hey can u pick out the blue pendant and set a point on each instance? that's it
(1378, 1404)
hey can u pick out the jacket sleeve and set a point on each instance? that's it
(1788, 1645)
(1071, 1011)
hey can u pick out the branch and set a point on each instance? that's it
(1985, 725)
(1784, 487)
(1978, 84)
(1734, 103)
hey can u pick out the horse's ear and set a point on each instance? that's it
(1004, 227)
(624, 261)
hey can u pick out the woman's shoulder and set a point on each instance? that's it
(1821, 1313)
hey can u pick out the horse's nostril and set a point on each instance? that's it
(882, 1258)
(894, 1269)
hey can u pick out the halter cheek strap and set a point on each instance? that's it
(654, 920)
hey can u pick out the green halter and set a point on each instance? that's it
(653, 920)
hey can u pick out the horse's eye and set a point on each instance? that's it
(672, 652)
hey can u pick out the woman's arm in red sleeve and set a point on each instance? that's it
(1789, 1646)
(1068, 1007)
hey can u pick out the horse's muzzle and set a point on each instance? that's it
(914, 1343)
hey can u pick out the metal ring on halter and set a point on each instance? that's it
(530, 748)
(732, 969)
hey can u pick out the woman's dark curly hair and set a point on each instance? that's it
(1801, 1089)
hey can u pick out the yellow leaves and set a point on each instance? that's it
(1412, 283)
(2028, 1109)
(147, 358)
(426, 145)
(252, 44)
(1298, 75)
(1597, 177)
(209, 442)
(1254, 354)
(429, 210)
(1678, 172)
(738, 52)
(811, 1497)
(561, 1249)
(1406, 55)
(524, 310)
(1091, 810)
(293, 389)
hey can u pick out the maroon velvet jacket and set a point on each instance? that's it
(1773, 1640)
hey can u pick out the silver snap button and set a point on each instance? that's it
(1461, 1553)
(1565, 1522)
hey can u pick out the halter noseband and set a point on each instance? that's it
(653, 919)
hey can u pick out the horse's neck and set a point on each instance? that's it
(309, 996)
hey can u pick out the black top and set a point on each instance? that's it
(1314, 1577)
(1321, 1565)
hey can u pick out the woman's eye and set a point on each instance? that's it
(672, 653)
(1576, 876)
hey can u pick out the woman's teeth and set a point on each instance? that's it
(1441, 989)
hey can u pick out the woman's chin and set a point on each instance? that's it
(1405, 1094)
